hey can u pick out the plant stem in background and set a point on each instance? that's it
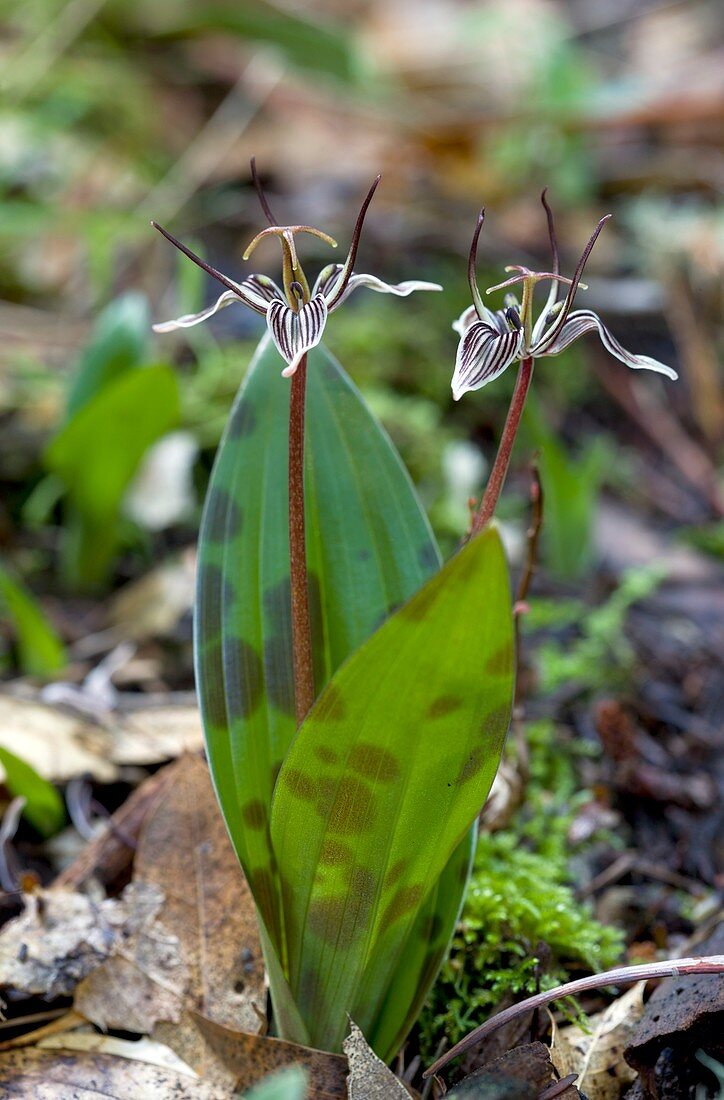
(301, 629)
(502, 460)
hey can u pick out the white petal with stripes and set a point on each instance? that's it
(483, 354)
(582, 321)
(294, 334)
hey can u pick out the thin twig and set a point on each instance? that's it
(623, 975)
(301, 628)
(502, 459)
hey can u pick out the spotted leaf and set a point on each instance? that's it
(381, 784)
(369, 549)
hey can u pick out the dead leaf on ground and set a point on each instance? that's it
(596, 1056)
(525, 1073)
(35, 1073)
(58, 745)
(208, 913)
(151, 606)
(681, 1015)
(62, 936)
(369, 1078)
(251, 1058)
(152, 734)
(61, 744)
(185, 850)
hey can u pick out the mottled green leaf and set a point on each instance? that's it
(369, 548)
(44, 807)
(40, 650)
(382, 782)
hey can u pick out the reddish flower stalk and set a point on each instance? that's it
(301, 627)
(502, 460)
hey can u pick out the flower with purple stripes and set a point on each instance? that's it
(296, 317)
(491, 340)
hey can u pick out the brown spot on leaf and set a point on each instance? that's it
(254, 814)
(374, 762)
(334, 852)
(300, 785)
(472, 765)
(394, 873)
(403, 901)
(342, 918)
(496, 721)
(431, 928)
(230, 681)
(216, 593)
(222, 516)
(428, 558)
(242, 677)
(243, 421)
(500, 663)
(352, 810)
(325, 754)
(444, 704)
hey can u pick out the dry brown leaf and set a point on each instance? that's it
(151, 606)
(208, 917)
(37, 1074)
(58, 745)
(61, 936)
(185, 850)
(369, 1078)
(251, 1058)
(143, 982)
(597, 1056)
(152, 734)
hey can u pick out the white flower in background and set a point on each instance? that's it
(491, 340)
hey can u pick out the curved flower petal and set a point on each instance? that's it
(470, 316)
(582, 321)
(327, 281)
(189, 319)
(483, 354)
(373, 283)
(294, 334)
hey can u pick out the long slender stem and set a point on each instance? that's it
(502, 460)
(301, 628)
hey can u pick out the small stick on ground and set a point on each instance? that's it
(623, 975)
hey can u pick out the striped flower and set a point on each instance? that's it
(491, 340)
(296, 317)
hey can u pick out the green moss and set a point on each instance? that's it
(520, 897)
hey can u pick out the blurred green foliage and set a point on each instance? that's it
(43, 807)
(571, 488)
(118, 405)
(596, 653)
(40, 651)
